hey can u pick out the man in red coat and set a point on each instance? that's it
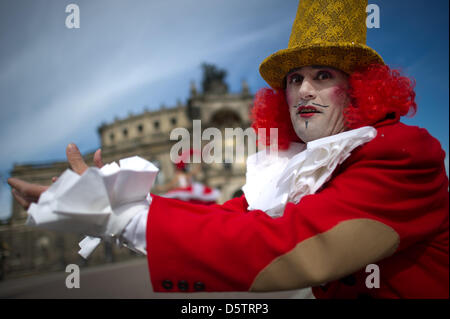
(356, 203)
(384, 205)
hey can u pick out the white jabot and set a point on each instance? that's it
(274, 180)
(100, 203)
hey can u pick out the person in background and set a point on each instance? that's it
(183, 185)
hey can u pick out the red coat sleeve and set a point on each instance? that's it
(391, 180)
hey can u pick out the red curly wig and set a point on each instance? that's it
(376, 93)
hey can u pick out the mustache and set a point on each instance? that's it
(303, 103)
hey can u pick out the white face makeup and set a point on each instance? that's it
(317, 97)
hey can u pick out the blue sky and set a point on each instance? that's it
(58, 85)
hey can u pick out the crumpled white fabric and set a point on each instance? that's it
(99, 203)
(274, 180)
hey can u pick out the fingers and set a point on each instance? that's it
(75, 159)
(25, 203)
(27, 190)
(25, 193)
(98, 158)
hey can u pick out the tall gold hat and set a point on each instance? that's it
(325, 32)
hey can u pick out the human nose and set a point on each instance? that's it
(307, 91)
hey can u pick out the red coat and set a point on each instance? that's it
(387, 204)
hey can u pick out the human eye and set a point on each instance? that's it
(323, 75)
(295, 78)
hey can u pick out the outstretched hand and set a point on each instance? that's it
(26, 193)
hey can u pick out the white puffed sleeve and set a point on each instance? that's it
(101, 203)
(134, 236)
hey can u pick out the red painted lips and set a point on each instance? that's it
(307, 111)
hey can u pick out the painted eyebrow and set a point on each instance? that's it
(315, 67)
(312, 66)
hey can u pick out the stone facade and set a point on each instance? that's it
(25, 250)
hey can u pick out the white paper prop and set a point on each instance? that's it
(99, 203)
(272, 181)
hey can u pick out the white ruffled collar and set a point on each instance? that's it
(272, 180)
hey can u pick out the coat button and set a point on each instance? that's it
(183, 285)
(199, 286)
(167, 284)
(349, 280)
(324, 287)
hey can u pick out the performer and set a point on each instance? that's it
(183, 185)
(351, 186)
